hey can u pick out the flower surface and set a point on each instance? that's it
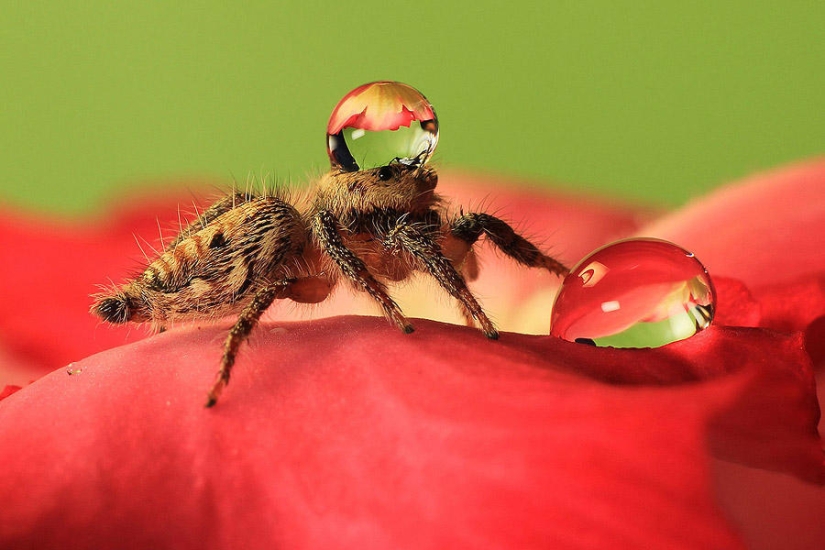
(341, 432)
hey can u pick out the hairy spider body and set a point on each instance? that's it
(370, 227)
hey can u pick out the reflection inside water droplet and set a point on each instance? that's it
(634, 293)
(379, 123)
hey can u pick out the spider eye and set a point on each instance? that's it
(385, 173)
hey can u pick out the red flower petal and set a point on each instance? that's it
(797, 306)
(51, 267)
(765, 230)
(8, 390)
(793, 305)
(770, 509)
(735, 305)
(320, 442)
(498, 444)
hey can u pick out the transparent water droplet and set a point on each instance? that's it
(636, 293)
(379, 123)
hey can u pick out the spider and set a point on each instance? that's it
(369, 227)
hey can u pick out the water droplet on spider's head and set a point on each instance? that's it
(379, 123)
(636, 293)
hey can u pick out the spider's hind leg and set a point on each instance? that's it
(469, 227)
(250, 315)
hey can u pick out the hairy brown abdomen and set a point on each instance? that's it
(213, 271)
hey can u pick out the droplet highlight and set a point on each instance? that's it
(379, 123)
(636, 293)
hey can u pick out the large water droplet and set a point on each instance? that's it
(636, 293)
(379, 123)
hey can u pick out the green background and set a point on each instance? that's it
(652, 101)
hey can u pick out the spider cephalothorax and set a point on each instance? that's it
(370, 227)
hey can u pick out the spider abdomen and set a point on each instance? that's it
(214, 270)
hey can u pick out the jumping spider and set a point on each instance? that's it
(371, 227)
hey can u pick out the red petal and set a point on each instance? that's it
(447, 441)
(764, 230)
(815, 341)
(735, 305)
(797, 306)
(793, 305)
(53, 266)
(8, 390)
(771, 510)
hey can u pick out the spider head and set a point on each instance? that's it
(397, 185)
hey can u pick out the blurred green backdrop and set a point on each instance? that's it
(652, 101)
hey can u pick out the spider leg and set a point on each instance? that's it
(469, 227)
(325, 226)
(250, 315)
(426, 250)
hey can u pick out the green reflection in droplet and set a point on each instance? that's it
(658, 333)
(373, 149)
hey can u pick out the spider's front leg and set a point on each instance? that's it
(469, 227)
(326, 227)
(413, 240)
